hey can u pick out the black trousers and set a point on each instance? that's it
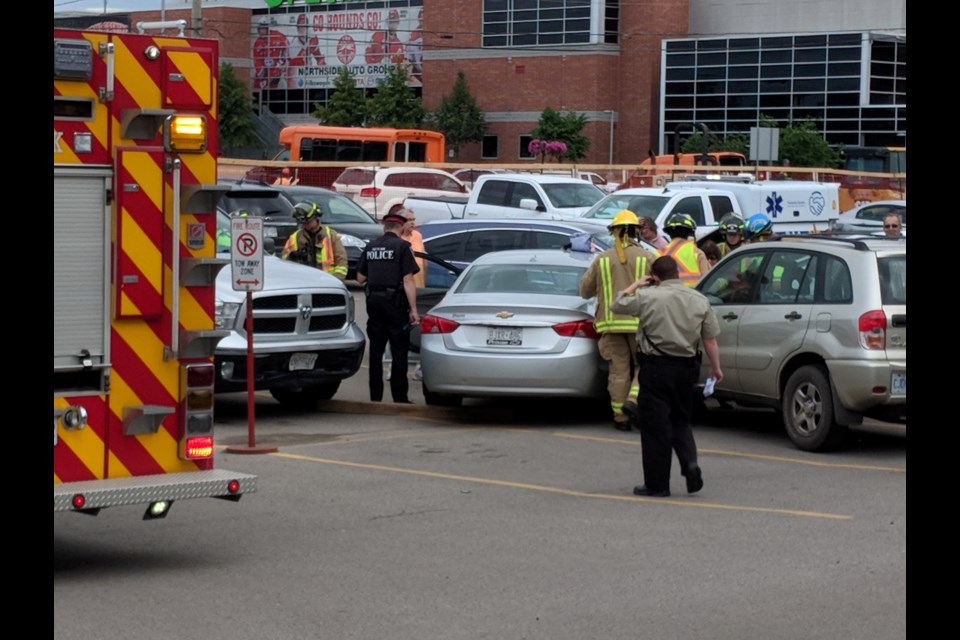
(387, 323)
(666, 404)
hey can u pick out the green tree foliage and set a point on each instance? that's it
(739, 142)
(347, 106)
(800, 142)
(458, 117)
(235, 119)
(395, 104)
(566, 128)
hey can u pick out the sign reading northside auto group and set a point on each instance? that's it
(246, 254)
(307, 50)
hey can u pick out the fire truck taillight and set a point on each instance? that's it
(185, 134)
(198, 448)
(196, 427)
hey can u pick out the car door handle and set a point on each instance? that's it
(730, 316)
(793, 315)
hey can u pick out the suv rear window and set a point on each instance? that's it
(893, 280)
(256, 203)
(355, 176)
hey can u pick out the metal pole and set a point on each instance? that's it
(610, 154)
(195, 19)
(251, 438)
(163, 10)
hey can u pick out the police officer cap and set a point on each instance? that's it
(395, 217)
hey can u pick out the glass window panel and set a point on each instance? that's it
(551, 38)
(742, 102)
(742, 86)
(775, 71)
(809, 86)
(679, 102)
(498, 41)
(681, 60)
(809, 70)
(774, 86)
(744, 57)
(681, 45)
(680, 73)
(711, 73)
(736, 73)
(843, 84)
(709, 88)
(744, 43)
(711, 102)
(843, 54)
(489, 147)
(681, 87)
(776, 55)
(712, 58)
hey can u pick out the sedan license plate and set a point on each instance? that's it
(269, 232)
(302, 361)
(898, 384)
(510, 337)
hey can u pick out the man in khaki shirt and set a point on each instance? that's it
(675, 322)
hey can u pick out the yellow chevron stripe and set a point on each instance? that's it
(143, 340)
(147, 173)
(127, 307)
(202, 165)
(192, 315)
(195, 71)
(141, 250)
(134, 78)
(88, 446)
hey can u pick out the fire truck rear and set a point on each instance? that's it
(135, 193)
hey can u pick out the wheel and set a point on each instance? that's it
(436, 400)
(305, 398)
(807, 408)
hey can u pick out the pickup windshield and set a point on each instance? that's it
(607, 208)
(569, 196)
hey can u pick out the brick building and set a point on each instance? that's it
(633, 69)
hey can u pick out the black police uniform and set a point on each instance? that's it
(384, 262)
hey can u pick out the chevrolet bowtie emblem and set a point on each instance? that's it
(504, 314)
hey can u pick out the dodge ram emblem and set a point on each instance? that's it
(306, 311)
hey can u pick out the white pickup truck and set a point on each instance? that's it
(512, 195)
(795, 207)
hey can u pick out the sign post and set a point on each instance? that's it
(246, 264)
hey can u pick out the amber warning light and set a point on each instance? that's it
(185, 134)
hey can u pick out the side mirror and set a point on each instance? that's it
(529, 204)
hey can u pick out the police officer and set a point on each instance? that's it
(611, 271)
(675, 322)
(315, 244)
(386, 268)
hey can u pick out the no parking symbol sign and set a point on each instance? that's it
(246, 253)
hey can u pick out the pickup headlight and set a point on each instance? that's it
(225, 314)
(352, 241)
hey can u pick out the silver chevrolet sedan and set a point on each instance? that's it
(513, 325)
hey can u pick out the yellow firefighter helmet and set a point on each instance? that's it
(624, 218)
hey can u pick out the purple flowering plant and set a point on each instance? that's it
(547, 148)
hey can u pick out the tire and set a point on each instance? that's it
(305, 398)
(436, 400)
(807, 408)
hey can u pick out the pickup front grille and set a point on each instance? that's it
(299, 314)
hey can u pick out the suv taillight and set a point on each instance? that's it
(369, 192)
(873, 330)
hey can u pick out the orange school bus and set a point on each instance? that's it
(319, 143)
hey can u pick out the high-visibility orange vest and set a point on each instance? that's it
(685, 253)
(325, 256)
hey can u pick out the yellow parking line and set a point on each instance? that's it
(561, 491)
(733, 454)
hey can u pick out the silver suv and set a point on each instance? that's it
(815, 327)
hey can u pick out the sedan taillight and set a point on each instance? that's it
(433, 324)
(873, 330)
(369, 192)
(577, 329)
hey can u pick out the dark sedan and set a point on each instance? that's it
(355, 226)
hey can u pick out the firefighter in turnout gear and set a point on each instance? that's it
(314, 244)
(612, 271)
(683, 248)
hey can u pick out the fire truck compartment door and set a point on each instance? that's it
(187, 78)
(80, 273)
(140, 232)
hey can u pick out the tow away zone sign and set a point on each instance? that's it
(246, 253)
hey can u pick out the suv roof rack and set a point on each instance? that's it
(857, 242)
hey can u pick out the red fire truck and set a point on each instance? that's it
(135, 193)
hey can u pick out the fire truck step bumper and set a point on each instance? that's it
(114, 492)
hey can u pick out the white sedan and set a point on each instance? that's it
(868, 217)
